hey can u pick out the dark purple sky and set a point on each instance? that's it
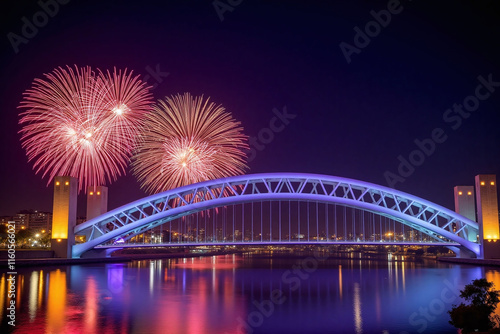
(352, 119)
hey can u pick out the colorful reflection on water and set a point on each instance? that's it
(240, 294)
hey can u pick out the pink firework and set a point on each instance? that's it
(82, 123)
(188, 140)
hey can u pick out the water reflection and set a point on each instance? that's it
(3, 289)
(33, 305)
(56, 302)
(358, 319)
(224, 294)
(340, 281)
(494, 276)
(91, 306)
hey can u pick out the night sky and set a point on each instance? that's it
(346, 119)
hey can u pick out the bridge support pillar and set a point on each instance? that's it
(463, 253)
(490, 249)
(64, 215)
(487, 209)
(97, 201)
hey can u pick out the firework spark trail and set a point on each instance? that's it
(83, 124)
(187, 140)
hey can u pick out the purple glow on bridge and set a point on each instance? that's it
(292, 207)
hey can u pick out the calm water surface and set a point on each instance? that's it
(240, 294)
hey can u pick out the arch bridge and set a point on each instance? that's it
(281, 208)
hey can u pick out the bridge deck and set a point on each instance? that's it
(282, 243)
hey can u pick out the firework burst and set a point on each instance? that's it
(187, 140)
(82, 123)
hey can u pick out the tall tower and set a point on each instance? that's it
(465, 206)
(487, 211)
(97, 201)
(64, 215)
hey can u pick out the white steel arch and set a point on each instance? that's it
(149, 212)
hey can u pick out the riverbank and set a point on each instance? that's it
(477, 262)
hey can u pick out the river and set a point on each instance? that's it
(243, 293)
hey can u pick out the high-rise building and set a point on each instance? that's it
(22, 220)
(97, 201)
(64, 215)
(40, 221)
(35, 221)
(487, 212)
(466, 206)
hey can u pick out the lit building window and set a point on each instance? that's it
(492, 183)
(91, 193)
(482, 183)
(67, 183)
(460, 193)
(469, 193)
(98, 193)
(57, 183)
